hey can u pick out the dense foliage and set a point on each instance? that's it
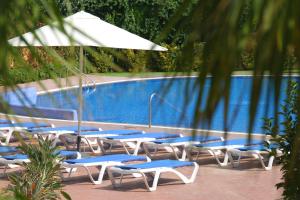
(286, 136)
(149, 19)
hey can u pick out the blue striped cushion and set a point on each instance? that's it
(108, 158)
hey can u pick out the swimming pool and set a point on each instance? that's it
(127, 102)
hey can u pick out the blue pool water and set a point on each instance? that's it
(127, 102)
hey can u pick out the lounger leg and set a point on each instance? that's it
(146, 148)
(184, 155)
(101, 146)
(154, 183)
(100, 176)
(184, 178)
(231, 160)
(147, 151)
(188, 152)
(225, 161)
(137, 147)
(270, 163)
(97, 150)
(112, 178)
(70, 170)
(8, 136)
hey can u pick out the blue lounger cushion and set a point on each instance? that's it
(243, 141)
(112, 132)
(62, 153)
(146, 135)
(7, 149)
(5, 121)
(188, 139)
(28, 125)
(15, 157)
(66, 128)
(258, 147)
(108, 158)
(158, 163)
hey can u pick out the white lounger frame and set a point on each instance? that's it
(154, 171)
(103, 164)
(253, 153)
(7, 132)
(130, 145)
(9, 164)
(92, 141)
(214, 151)
(176, 148)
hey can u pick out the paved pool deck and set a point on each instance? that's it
(247, 182)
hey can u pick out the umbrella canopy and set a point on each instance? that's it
(85, 29)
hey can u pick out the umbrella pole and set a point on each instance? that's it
(80, 98)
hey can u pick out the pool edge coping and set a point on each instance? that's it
(139, 79)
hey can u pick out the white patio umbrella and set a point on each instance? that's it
(83, 29)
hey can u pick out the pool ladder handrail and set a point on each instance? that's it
(150, 106)
(89, 81)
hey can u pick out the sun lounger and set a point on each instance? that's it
(90, 137)
(6, 130)
(217, 148)
(14, 160)
(101, 161)
(5, 121)
(133, 141)
(177, 145)
(7, 150)
(154, 168)
(54, 133)
(253, 151)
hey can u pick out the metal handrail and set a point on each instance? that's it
(91, 81)
(150, 106)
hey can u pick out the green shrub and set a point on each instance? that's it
(41, 176)
(288, 142)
